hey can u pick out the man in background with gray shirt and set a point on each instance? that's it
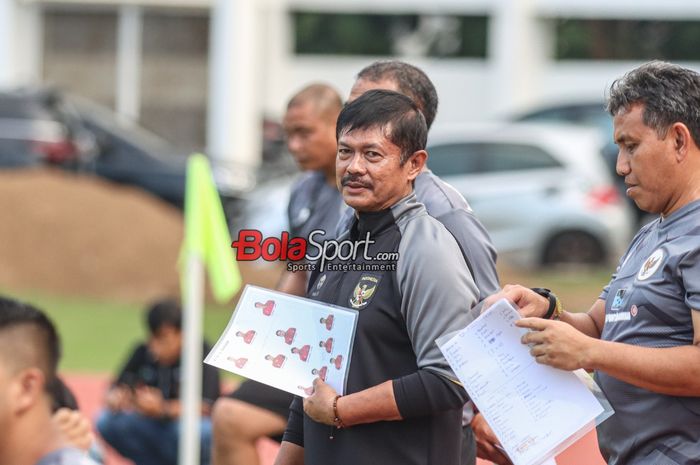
(441, 200)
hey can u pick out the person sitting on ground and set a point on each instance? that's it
(29, 355)
(141, 420)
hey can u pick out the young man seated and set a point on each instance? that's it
(141, 420)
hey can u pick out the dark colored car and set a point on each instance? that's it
(38, 126)
(45, 126)
(131, 155)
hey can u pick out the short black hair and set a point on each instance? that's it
(61, 396)
(390, 111)
(669, 93)
(42, 336)
(410, 80)
(164, 312)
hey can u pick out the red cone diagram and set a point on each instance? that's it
(247, 337)
(287, 335)
(277, 361)
(302, 352)
(328, 322)
(239, 362)
(321, 373)
(308, 391)
(267, 307)
(328, 345)
(337, 361)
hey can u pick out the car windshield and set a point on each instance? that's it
(106, 120)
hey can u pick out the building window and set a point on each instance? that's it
(80, 52)
(439, 36)
(608, 39)
(175, 74)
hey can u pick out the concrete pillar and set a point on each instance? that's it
(278, 46)
(21, 41)
(129, 59)
(234, 128)
(519, 51)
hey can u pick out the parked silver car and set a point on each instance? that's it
(542, 191)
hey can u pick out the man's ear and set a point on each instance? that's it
(680, 135)
(28, 389)
(415, 163)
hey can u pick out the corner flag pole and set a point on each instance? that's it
(207, 242)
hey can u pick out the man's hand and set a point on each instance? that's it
(118, 399)
(319, 405)
(529, 303)
(486, 442)
(556, 343)
(74, 427)
(149, 401)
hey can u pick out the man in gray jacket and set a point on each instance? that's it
(403, 404)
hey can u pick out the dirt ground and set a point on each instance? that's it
(66, 234)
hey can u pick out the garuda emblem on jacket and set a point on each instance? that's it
(364, 291)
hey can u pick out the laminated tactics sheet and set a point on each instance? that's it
(536, 411)
(286, 341)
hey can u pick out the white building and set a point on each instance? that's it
(177, 64)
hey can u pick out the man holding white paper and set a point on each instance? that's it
(441, 201)
(642, 335)
(403, 404)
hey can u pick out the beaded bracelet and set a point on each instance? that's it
(337, 420)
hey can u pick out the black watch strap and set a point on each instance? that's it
(549, 295)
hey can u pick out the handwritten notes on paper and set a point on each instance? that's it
(532, 408)
(286, 341)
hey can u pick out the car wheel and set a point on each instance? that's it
(573, 247)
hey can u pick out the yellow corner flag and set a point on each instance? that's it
(206, 232)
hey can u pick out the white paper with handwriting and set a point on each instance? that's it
(533, 409)
(286, 341)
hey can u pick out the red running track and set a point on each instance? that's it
(90, 389)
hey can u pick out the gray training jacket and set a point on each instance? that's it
(402, 310)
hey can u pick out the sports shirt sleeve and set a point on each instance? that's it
(437, 292)
(478, 250)
(689, 268)
(295, 425)
(129, 374)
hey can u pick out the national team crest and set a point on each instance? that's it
(650, 265)
(364, 291)
(618, 300)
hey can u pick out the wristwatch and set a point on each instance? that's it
(555, 307)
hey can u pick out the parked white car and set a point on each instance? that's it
(542, 191)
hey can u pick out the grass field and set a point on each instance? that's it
(97, 335)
